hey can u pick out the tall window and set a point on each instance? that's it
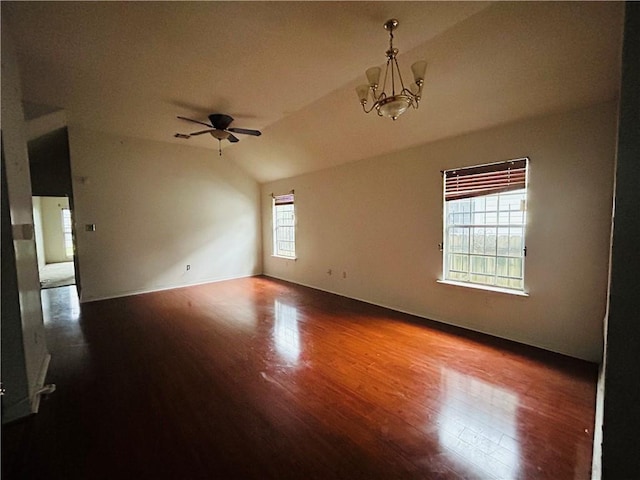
(284, 229)
(484, 227)
(66, 229)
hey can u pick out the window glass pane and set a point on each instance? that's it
(478, 203)
(483, 279)
(482, 267)
(476, 265)
(516, 218)
(501, 267)
(511, 200)
(452, 240)
(503, 241)
(515, 267)
(477, 241)
(67, 232)
(490, 265)
(458, 276)
(490, 241)
(459, 240)
(479, 218)
(515, 241)
(459, 263)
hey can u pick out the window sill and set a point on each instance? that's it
(285, 258)
(487, 288)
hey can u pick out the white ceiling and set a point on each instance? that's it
(290, 69)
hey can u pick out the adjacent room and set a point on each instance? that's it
(319, 239)
(54, 241)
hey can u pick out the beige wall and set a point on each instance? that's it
(157, 208)
(52, 229)
(380, 221)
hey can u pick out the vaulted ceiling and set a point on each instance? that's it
(290, 69)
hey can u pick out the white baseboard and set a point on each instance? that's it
(130, 293)
(523, 341)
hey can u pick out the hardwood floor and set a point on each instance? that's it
(258, 379)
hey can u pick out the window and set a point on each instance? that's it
(484, 226)
(66, 229)
(284, 229)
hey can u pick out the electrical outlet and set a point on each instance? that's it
(188, 267)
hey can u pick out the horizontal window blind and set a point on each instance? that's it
(485, 179)
(283, 199)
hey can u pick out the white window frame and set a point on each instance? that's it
(482, 220)
(284, 226)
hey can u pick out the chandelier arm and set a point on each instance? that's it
(394, 65)
(372, 107)
(384, 83)
(395, 60)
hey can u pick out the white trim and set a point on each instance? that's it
(488, 288)
(596, 460)
(42, 375)
(283, 257)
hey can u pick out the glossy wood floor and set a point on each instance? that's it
(261, 379)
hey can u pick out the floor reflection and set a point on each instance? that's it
(60, 304)
(74, 303)
(285, 331)
(478, 426)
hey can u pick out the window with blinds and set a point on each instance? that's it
(484, 224)
(284, 229)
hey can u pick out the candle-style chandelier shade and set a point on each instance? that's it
(394, 103)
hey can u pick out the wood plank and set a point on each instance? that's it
(259, 378)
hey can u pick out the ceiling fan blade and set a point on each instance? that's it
(182, 135)
(245, 131)
(195, 121)
(220, 120)
(202, 132)
(233, 138)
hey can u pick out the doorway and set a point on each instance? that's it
(53, 226)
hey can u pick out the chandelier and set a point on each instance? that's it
(400, 98)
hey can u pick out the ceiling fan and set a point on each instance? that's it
(219, 128)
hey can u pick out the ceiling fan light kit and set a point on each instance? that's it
(218, 129)
(392, 104)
